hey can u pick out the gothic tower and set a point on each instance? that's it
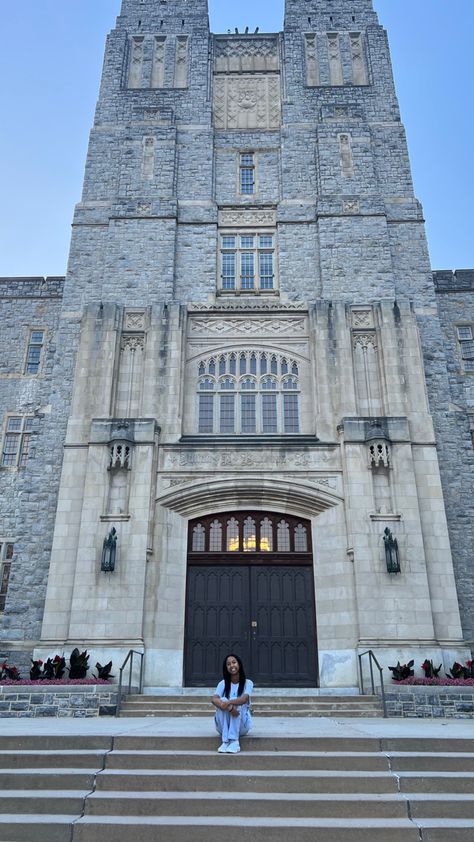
(239, 381)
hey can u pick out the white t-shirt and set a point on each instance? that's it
(234, 692)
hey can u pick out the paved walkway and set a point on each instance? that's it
(263, 727)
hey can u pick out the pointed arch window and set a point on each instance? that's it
(253, 393)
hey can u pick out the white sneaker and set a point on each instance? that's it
(223, 748)
(234, 747)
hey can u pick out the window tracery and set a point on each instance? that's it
(262, 398)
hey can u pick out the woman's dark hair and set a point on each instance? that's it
(227, 676)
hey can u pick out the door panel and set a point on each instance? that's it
(283, 641)
(217, 621)
(264, 614)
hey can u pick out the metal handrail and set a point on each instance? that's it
(120, 694)
(373, 659)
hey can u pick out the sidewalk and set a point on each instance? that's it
(263, 727)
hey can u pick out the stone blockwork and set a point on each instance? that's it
(455, 432)
(28, 495)
(78, 701)
(430, 702)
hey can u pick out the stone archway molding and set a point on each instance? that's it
(248, 491)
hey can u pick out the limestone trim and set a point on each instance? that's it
(262, 492)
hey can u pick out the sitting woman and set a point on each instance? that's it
(232, 703)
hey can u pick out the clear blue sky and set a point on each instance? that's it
(50, 65)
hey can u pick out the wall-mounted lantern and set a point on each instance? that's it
(392, 556)
(109, 552)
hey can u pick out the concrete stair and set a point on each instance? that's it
(289, 705)
(147, 788)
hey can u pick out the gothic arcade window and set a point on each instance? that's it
(16, 441)
(248, 392)
(249, 533)
(247, 261)
(466, 345)
(6, 555)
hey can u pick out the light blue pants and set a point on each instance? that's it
(232, 727)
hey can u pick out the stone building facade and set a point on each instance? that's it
(247, 405)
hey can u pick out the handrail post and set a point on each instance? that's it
(129, 657)
(373, 660)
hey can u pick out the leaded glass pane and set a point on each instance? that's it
(284, 367)
(301, 539)
(221, 365)
(283, 537)
(232, 364)
(290, 414)
(269, 414)
(227, 414)
(248, 414)
(274, 365)
(269, 383)
(246, 181)
(227, 384)
(247, 241)
(206, 414)
(228, 270)
(206, 385)
(215, 537)
(253, 364)
(263, 364)
(266, 536)
(228, 241)
(232, 539)
(10, 450)
(266, 241)
(248, 383)
(266, 270)
(24, 450)
(243, 364)
(247, 270)
(14, 423)
(246, 159)
(464, 332)
(290, 383)
(250, 536)
(199, 539)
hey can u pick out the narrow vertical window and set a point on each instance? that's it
(291, 422)
(148, 158)
(335, 64)
(16, 443)
(158, 71)
(248, 407)
(466, 344)
(312, 63)
(215, 537)
(232, 539)
(269, 406)
(6, 555)
(283, 537)
(199, 539)
(227, 407)
(301, 539)
(247, 174)
(34, 351)
(266, 536)
(136, 63)
(181, 65)
(206, 406)
(250, 535)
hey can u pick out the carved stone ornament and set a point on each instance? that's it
(247, 102)
(379, 454)
(246, 54)
(132, 343)
(144, 208)
(248, 327)
(274, 307)
(362, 319)
(252, 217)
(364, 340)
(134, 320)
(350, 206)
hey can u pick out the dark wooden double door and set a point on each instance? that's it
(259, 608)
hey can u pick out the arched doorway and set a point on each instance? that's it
(250, 590)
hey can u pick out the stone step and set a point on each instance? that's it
(256, 699)
(245, 780)
(238, 828)
(46, 778)
(63, 802)
(224, 803)
(31, 759)
(306, 712)
(207, 760)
